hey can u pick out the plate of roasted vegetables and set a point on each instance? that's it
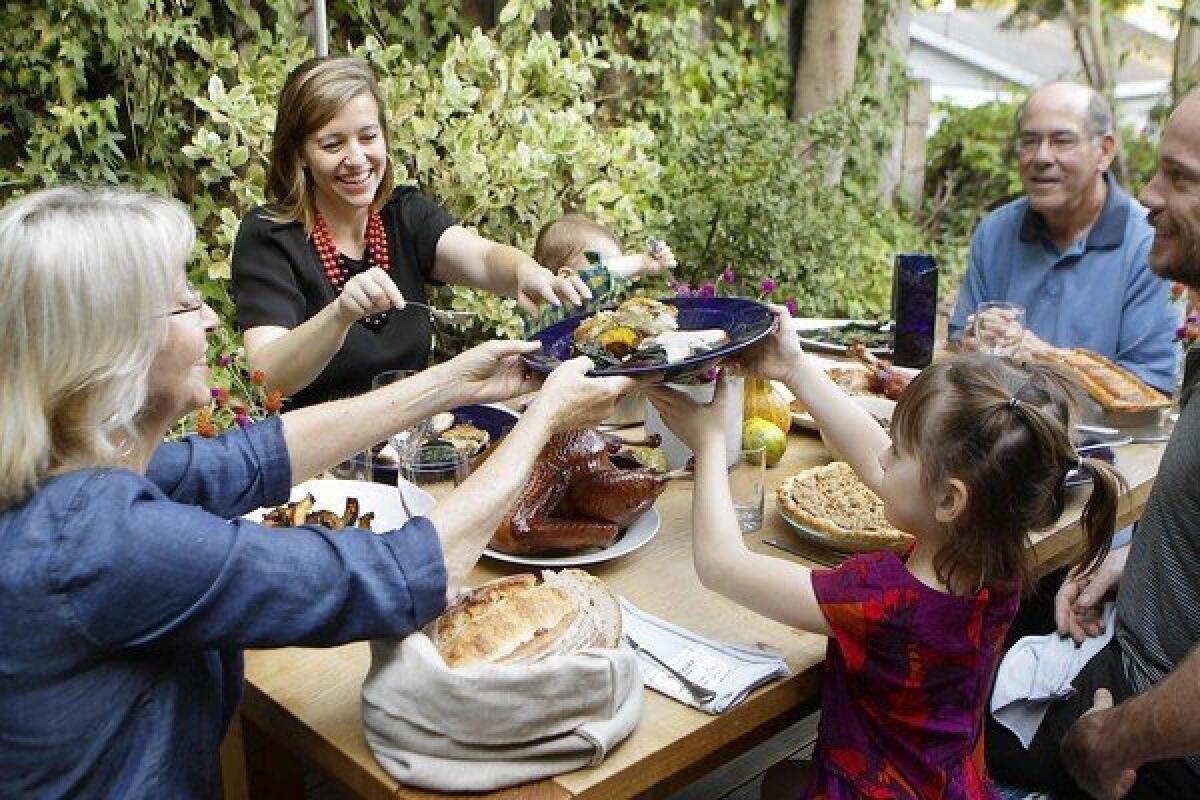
(835, 337)
(676, 336)
(346, 506)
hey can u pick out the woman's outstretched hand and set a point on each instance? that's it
(569, 399)
(537, 285)
(492, 371)
(367, 293)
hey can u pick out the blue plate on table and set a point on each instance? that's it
(745, 321)
(1077, 478)
(495, 419)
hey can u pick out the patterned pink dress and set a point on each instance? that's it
(907, 675)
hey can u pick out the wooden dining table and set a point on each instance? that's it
(303, 704)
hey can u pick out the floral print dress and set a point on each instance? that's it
(907, 676)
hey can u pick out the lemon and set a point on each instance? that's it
(758, 432)
(652, 458)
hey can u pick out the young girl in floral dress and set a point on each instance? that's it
(976, 460)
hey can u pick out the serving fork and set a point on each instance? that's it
(702, 694)
(443, 315)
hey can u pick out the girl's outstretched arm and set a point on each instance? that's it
(850, 430)
(773, 587)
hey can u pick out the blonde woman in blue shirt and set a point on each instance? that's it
(128, 581)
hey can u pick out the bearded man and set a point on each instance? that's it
(1147, 745)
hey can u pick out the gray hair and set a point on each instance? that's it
(1097, 116)
(86, 276)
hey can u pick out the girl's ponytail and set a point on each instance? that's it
(1099, 517)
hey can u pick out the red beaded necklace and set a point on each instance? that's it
(338, 272)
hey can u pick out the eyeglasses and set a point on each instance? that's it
(192, 302)
(1059, 142)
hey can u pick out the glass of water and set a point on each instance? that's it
(999, 328)
(433, 462)
(747, 486)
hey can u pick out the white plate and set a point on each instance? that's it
(379, 498)
(879, 407)
(636, 535)
(809, 324)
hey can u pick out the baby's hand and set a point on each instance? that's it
(692, 422)
(657, 258)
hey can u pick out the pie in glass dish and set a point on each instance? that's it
(831, 502)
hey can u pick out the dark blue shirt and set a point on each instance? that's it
(125, 601)
(1098, 294)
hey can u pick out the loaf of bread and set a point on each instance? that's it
(518, 619)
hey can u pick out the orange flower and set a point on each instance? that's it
(274, 402)
(258, 377)
(204, 424)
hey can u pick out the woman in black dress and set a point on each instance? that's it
(322, 274)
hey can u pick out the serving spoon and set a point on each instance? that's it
(443, 315)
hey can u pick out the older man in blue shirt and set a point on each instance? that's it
(1073, 250)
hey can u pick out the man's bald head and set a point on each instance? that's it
(1086, 102)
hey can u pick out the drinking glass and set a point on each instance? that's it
(383, 470)
(999, 328)
(433, 463)
(355, 468)
(747, 487)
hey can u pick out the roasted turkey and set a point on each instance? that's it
(577, 498)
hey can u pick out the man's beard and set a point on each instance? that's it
(1184, 264)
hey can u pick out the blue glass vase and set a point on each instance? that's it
(914, 308)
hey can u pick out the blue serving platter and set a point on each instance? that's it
(495, 419)
(746, 321)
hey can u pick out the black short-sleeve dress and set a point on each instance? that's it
(278, 280)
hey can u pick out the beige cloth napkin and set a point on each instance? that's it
(494, 725)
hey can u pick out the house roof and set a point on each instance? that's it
(1034, 55)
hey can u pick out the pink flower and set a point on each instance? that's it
(728, 276)
(1181, 332)
(242, 420)
(682, 289)
(707, 290)
(224, 361)
(767, 286)
(791, 307)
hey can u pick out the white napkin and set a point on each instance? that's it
(1038, 669)
(731, 671)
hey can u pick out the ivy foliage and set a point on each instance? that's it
(775, 218)
(659, 117)
(970, 169)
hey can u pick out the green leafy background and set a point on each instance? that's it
(662, 118)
